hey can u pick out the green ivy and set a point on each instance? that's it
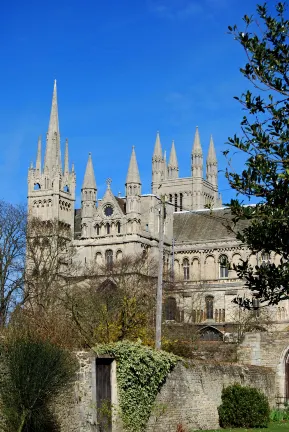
(141, 371)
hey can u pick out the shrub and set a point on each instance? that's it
(34, 373)
(279, 414)
(243, 407)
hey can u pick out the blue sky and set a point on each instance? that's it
(124, 69)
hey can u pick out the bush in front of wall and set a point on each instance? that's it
(33, 373)
(243, 407)
(141, 371)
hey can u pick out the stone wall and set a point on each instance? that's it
(190, 396)
(267, 349)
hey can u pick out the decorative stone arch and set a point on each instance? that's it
(196, 268)
(282, 375)
(210, 267)
(210, 333)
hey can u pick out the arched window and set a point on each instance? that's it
(186, 267)
(118, 227)
(37, 186)
(66, 189)
(109, 258)
(170, 198)
(170, 309)
(107, 228)
(176, 202)
(224, 266)
(97, 229)
(181, 202)
(209, 307)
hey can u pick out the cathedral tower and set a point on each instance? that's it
(51, 192)
(197, 172)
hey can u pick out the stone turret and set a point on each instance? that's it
(88, 196)
(197, 156)
(173, 168)
(133, 186)
(157, 165)
(212, 165)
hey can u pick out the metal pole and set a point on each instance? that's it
(158, 341)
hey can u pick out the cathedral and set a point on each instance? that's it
(199, 239)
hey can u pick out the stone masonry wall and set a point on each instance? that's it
(190, 396)
(267, 349)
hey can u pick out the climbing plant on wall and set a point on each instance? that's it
(141, 371)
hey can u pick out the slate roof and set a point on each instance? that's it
(205, 225)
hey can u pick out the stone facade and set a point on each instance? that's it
(198, 242)
(190, 396)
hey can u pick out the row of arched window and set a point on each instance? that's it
(223, 267)
(198, 315)
(108, 257)
(177, 200)
(99, 228)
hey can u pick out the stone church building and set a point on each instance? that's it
(199, 234)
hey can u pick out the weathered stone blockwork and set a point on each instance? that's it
(269, 349)
(190, 395)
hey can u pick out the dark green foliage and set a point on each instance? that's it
(243, 407)
(34, 374)
(264, 143)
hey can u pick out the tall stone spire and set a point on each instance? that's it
(212, 164)
(157, 165)
(212, 158)
(66, 160)
(173, 167)
(197, 156)
(38, 159)
(133, 172)
(133, 186)
(158, 147)
(53, 155)
(89, 178)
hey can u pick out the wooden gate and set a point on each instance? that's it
(103, 394)
(287, 377)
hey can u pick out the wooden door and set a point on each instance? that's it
(103, 394)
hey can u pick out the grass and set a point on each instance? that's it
(273, 427)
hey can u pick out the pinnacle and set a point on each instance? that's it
(212, 158)
(38, 159)
(173, 162)
(66, 161)
(197, 148)
(53, 154)
(158, 148)
(133, 172)
(89, 178)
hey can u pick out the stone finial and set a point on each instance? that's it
(133, 171)
(66, 160)
(173, 162)
(89, 178)
(158, 148)
(212, 158)
(38, 159)
(197, 148)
